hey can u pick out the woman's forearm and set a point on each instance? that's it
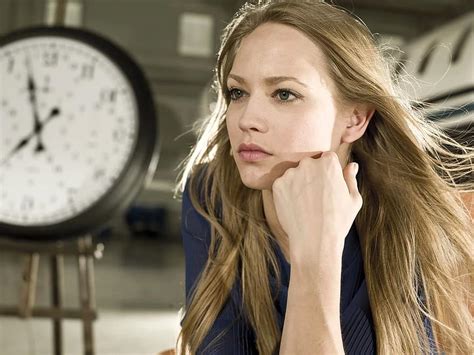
(312, 321)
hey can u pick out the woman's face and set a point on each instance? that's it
(282, 100)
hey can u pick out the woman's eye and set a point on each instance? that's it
(284, 95)
(235, 94)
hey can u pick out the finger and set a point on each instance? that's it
(350, 173)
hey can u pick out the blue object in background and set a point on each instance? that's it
(146, 221)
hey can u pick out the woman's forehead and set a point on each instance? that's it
(275, 50)
(282, 41)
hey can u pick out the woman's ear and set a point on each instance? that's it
(359, 118)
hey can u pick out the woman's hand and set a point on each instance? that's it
(316, 204)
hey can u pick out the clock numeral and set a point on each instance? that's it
(50, 59)
(11, 65)
(118, 135)
(108, 96)
(27, 203)
(87, 71)
(72, 204)
(72, 191)
(99, 174)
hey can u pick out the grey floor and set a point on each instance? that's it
(139, 291)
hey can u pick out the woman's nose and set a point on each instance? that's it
(252, 116)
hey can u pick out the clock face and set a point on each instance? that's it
(68, 125)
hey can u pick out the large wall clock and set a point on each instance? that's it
(78, 131)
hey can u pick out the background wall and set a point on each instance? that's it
(145, 271)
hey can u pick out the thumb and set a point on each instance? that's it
(350, 172)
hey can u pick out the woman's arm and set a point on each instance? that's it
(316, 204)
(312, 322)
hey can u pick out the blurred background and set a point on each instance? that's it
(139, 280)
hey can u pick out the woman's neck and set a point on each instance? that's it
(273, 223)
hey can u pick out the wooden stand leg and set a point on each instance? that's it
(57, 282)
(85, 291)
(28, 294)
(85, 251)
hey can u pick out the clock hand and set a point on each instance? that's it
(55, 111)
(25, 140)
(21, 144)
(36, 121)
(38, 129)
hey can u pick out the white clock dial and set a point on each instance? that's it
(68, 124)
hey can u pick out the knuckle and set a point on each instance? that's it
(330, 155)
(331, 158)
(305, 161)
(276, 184)
(279, 183)
(290, 175)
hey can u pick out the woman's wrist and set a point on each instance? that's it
(325, 254)
(320, 281)
(318, 302)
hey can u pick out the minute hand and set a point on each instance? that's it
(32, 96)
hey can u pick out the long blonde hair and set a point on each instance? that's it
(416, 233)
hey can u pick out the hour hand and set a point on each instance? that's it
(21, 144)
(55, 111)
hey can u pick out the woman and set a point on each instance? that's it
(378, 261)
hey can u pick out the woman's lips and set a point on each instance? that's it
(253, 155)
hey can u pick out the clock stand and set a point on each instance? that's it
(85, 250)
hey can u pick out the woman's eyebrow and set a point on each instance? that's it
(272, 80)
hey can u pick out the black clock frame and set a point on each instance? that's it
(131, 179)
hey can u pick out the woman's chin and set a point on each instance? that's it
(262, 176)
(256, 186)
(263, 182)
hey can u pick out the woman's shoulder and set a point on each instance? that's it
(193, 223)
(197, 178)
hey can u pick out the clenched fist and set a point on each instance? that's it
(316, 203)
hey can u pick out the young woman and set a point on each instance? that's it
(290, 246)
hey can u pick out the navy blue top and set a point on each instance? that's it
(356, 318)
